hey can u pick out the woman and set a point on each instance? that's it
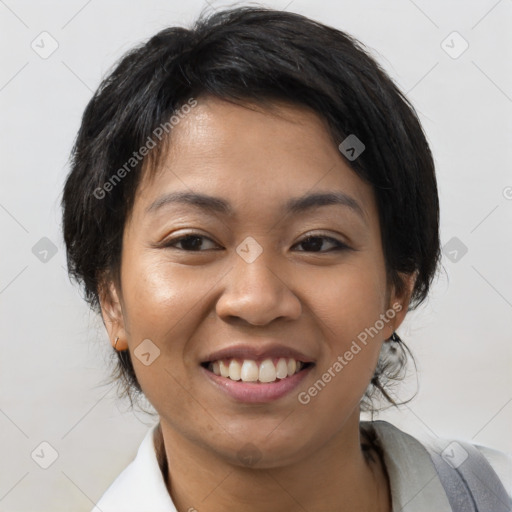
(253, 208)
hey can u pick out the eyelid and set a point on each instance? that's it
(340, 244)
(177, 239)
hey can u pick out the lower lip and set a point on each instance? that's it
(251, 392)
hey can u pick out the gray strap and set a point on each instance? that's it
(457, 492)
(471, 484)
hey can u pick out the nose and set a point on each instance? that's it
(257, 293)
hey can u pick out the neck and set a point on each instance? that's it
(200, 479)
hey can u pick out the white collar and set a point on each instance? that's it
(415, 486)
(140, 486)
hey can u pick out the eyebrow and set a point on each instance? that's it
(296, 205)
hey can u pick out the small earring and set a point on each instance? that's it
(395, 338)
(115, 343)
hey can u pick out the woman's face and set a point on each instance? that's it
(258, 280)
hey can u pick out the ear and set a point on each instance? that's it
(400, 302)
(112, 314)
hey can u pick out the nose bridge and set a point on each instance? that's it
(254, 290)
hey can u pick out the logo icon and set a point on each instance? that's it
(454, 45)
(44, 45)
(454, 249)
(351, 147)
(454, 454)
(249, 250)
(44, 455)
(249, 454)
(147, 352)
(44, 250)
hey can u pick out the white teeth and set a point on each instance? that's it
(234, 370)
(224, 369)
(267, 371)
(292, 366)
(282, 369)
(250, 371)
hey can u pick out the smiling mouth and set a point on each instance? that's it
(264, 371)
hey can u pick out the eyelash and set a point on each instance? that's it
(340, 246)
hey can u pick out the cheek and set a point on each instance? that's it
(160, 295)
(347, 298)
(350, 355)
(347, 305)
(162, 304)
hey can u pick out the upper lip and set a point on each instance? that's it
(244, 351)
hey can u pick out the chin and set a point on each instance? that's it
(263, 451)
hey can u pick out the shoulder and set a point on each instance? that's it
(501, 462)
(404, 452)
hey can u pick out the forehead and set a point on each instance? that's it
(253, 156)
(217, 128)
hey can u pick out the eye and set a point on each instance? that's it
(195, 243)
(191, 242)
(314, 244)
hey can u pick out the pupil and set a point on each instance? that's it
(316, 244)
(192, 242)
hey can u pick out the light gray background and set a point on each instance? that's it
(54, 354)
